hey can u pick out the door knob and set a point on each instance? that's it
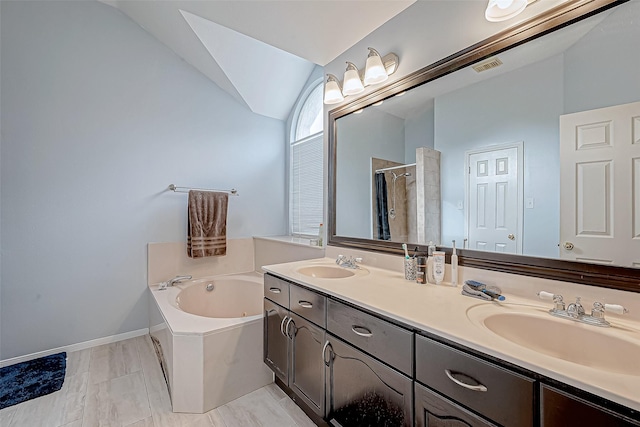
(568, 246)
(511, 237)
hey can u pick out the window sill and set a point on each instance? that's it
(291, 240)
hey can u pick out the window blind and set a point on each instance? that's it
(305, 189)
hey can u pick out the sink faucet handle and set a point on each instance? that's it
(358, 259)
(558, 302)
(547, 295)
(615, 308)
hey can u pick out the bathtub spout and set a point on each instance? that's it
(171, 282)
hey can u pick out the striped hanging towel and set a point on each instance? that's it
(207, 224)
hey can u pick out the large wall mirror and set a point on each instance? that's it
(523, 149)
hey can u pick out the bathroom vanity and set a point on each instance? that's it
(374, 349)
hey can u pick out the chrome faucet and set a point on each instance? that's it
(173, 281)
(575, 311)
(351, 262)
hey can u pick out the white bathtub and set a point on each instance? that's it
(210, 341)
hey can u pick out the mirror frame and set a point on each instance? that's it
(621, 278)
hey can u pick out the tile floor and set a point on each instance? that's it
(121, 384)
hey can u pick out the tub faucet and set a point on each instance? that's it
(171, 282)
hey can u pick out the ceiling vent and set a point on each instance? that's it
(487, 65)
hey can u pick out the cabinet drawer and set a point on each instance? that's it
(498, 394)
(389, 343)
(433, 410)
(560, 410)
(308, 304)
(277, 290)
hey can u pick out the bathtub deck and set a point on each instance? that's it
(121, 384)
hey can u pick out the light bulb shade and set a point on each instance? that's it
(501, 10)
(352, 84)
(374, 71)
(332, 92)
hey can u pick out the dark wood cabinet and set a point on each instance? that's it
(362, 391)
(353, 368)
(293, 344)
(306, 373)
(433, 410)
(276, 343)
(499, 394)
(560, 409)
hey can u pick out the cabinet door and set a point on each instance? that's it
(563, 410)
(364, 392)
(276, 344)
(306, 376)
(433, 410)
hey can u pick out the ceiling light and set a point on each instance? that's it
(352, 84)
(501, 10)
(374, 71)
(377, 70)
(332, 91)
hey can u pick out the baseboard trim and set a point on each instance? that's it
(75, 347)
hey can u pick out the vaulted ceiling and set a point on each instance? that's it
(260, 52)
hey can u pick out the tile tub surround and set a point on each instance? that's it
(169, 259)
(208, 361)
(277, 249)
(121, 384)
(442, 310)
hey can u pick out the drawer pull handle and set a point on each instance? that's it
(275, 290)
(286, 328)
(478, 387)
(362, 331)
(305, 304)
(284, 319)
(324, 353)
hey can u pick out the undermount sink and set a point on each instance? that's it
(326, 272)
(535, 329)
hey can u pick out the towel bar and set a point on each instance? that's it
(177, 189)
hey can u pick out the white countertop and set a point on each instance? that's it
(442, 310)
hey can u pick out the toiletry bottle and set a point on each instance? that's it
(421, 273)
(438, 267)
(454, 266)
(321, 235)
(430, 250)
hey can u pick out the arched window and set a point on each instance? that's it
(305, 184)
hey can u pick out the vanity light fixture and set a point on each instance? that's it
(352, 84)
(501, 10)
(332, 90)
(374, 72)
(377, 70)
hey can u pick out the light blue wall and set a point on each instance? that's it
(373, 133)
(591, 79)
(523, 105)
(98, 118)
(418, 132)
